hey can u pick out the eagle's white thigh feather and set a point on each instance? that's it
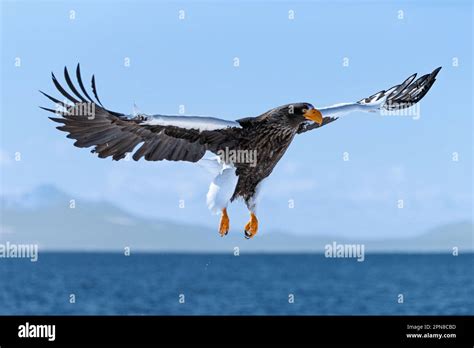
(252, 204)
(211, 165)
(222, 188)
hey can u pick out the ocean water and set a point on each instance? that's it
(213, 284)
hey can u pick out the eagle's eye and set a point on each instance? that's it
(303, 110)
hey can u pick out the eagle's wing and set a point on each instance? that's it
(174, 138)
(401, 96)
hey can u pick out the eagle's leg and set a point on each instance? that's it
(251, 228)
(224, 224)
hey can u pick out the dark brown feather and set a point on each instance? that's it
(112, 134)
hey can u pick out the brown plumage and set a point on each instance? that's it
(182, 138)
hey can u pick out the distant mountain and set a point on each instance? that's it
(41, 196)
(45, 217)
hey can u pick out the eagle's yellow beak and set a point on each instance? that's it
(314, 115)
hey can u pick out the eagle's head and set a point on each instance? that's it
(293, 115)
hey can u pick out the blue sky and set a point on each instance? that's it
(190, 62)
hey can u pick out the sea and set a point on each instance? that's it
(225, 284)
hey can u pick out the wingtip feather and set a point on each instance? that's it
(436, 71)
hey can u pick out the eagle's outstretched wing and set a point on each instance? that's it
(174, 138)
(401, 96)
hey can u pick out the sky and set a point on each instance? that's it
(142, 52)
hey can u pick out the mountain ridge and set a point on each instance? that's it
(44, 217)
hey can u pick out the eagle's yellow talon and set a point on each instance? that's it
(224, 224)
(251, 228)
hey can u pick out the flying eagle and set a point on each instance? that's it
(187, 138)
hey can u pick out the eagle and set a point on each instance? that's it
(245, 150)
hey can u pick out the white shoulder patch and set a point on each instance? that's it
(342, 109)
(190, 122)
